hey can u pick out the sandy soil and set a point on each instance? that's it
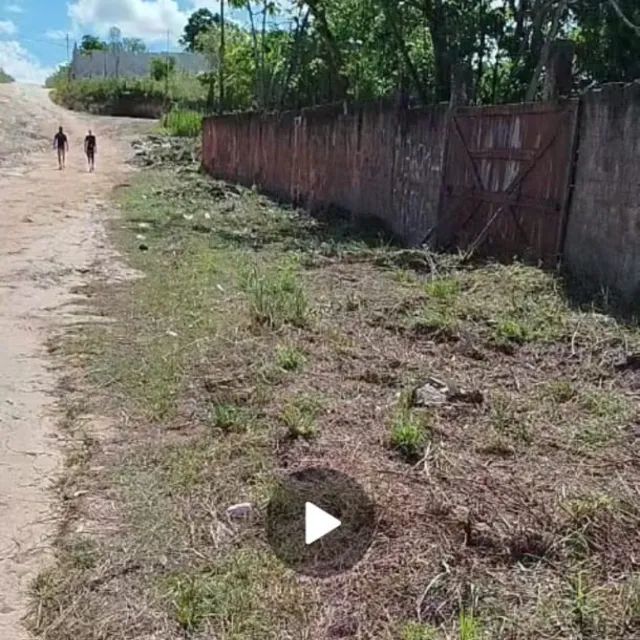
(51, 232)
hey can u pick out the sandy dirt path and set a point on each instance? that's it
(51, 232)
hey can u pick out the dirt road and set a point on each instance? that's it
(51, 231)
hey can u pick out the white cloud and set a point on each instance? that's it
(146, 19)
(55, 34)
(13, 8)
(7, 28)
(20, 64)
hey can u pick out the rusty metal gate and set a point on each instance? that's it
(506, 180)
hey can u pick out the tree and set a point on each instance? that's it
(5, 78)
(133, 45)
(92, 43)
(198, 23)
(162, 69)
(607, 47)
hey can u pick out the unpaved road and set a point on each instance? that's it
(51, 232)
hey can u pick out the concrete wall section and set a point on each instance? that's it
(602, 247)
(107, 64)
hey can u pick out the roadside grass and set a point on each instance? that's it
(255, 339)
(235, 599)
(526, 305)
(182, 123)
(276, 297)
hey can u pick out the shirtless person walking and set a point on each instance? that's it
(90, 148)
(61, 143)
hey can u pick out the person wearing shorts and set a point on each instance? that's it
(61, 143)
(90, 148)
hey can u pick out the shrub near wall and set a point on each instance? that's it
(144, 98)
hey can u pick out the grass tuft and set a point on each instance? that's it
(299, 417)
(276, 297)
(408, 434)
(290, 358)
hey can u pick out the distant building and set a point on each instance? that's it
(122, 64)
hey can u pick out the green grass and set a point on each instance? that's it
(299, 417)
(276, 296)
(409, 434)
(417, 631)
(182, 123)
(233, 599)
(470, 627)
(289, 358)
(217, 351)
(505, 305)
(98, 94)
(231, 418)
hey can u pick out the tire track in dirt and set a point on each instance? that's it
(51, 235)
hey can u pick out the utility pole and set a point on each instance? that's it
(221, 61)
(68, 61)
(166, 74)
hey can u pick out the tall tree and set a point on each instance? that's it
(133, 45)
(199, 21)
(92, 43)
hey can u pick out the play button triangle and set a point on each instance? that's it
(317, 523)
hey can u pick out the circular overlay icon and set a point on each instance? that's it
(320, 522)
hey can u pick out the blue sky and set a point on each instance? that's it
(33, 32)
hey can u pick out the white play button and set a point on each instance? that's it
(317, 523)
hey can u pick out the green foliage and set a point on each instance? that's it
(91, 43)
(230, 418)
(5, 78)
(58, 77)
(276, 297)
(233, 598)
(198, 23)
(408, 432)
(368, 49)
(98, 94)
(299, 417)
(289, 358)
(133, 45)
(182, 123)
(162, 69)
(417, 631)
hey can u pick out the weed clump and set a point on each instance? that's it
(299, 417)
(289, 358)
(409, 433)
(276, 297)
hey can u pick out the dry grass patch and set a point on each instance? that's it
(516, 517)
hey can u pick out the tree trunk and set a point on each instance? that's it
(256, 55)
(436, 16)
(221, 62)
(393, 18)
(340, 83)
(544, 52)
